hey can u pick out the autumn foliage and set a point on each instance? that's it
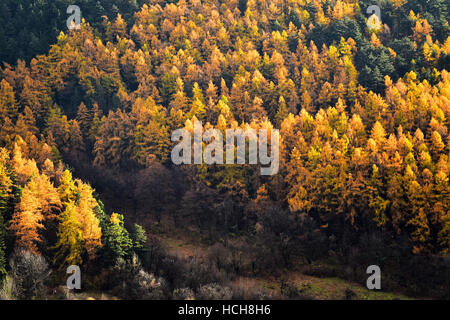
(363, 116)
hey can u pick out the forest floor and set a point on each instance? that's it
(187, 243)
(317, 288)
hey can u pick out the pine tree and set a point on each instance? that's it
(139, 241)
(117, 241)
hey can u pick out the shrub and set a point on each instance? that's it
(289, 290)
(29, 273)
(248, 291)
(146, 286)
(218, 256)
(214, 291)
(350, 294)
(8, 289)
(133, 283)
(198, 273)
(183, 294)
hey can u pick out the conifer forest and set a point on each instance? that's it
(340, 110)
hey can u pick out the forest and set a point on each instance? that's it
(87, 116)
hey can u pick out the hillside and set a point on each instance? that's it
(351, 112)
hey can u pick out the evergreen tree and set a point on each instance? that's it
(139, 241)
(117, 241)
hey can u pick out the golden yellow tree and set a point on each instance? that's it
(39, 201)
(79, 228)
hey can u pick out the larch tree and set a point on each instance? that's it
(8, 105)
(69, 246)
(79, 230)
(6, 185)
(39, 202)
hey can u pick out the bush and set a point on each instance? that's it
(29, 273)
(191, 273)
(214, 291)
(320, 271)
(183, 294)
(8, 290)
(154, 256)
(289, 290)
(350, 294)
(198, 273)
(219, 256)
(248, 291)
(146, 287)
(133, 283)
